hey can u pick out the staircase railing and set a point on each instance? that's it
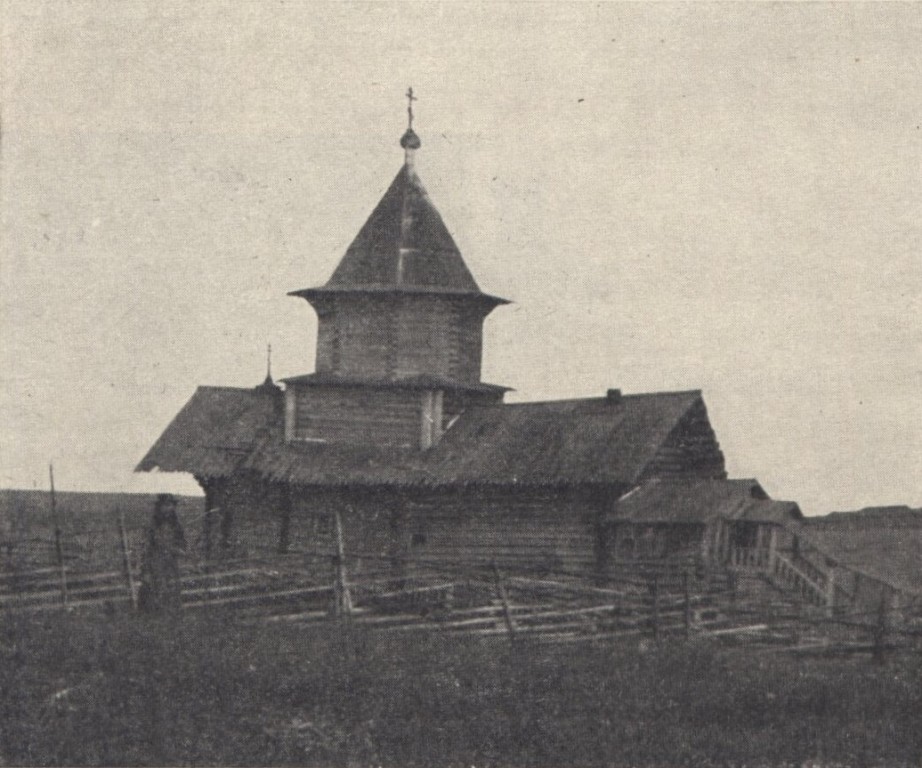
(814, 586)
(749, 557)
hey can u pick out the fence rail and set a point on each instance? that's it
(764, 598)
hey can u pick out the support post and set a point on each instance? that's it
(208, 520)
(830, 591)
(126, 561)
(772, 549)
(655, 590)
(342, 605)
(227, 527)
(719, 542)
(425, 423)
(504, 600)
(704, 550)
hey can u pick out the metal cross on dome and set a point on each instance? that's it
(410, 99)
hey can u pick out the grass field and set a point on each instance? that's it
(129, 690)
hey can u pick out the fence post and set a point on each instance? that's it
(58, 547)
(126, 560)
(342, 599)
(655, 590)
(504, 600)
(880, 631)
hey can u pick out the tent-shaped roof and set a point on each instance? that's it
(403, 246)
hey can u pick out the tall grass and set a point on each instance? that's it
(136, 691)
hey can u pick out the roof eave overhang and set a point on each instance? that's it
(325, 291)
(313, 380)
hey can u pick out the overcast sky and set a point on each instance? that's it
(723, 197)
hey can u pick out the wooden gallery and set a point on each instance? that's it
(396, 442)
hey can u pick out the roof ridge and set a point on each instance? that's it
(602, 399)
(670, 392)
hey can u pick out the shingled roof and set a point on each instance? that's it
(549, 443)
(403, 246)
(214, 432)
(698, 501)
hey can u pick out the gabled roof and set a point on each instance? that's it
(214, 432)
(570, 441)
(698, 501)
(536, 444)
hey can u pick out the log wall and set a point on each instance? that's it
(400, 336)
(358, 416)
(691, 450)
(542, 530)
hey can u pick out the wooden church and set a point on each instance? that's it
(396, 437)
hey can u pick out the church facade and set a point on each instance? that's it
(395, 435)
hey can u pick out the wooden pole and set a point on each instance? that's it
(126, 561)
(58, 548)
(208, 520)
(880, 631)
(343, 599)
(504, 600)
(655, 590)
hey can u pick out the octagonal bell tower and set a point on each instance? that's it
(400, 329)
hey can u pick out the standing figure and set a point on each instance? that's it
(160, 584)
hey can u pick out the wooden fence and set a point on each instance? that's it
(781, 602)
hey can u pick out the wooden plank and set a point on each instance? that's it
(504, 600)
(242, 599)
(739, 630)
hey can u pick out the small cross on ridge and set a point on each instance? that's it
(410, 99)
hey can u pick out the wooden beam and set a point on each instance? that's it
(343, 599)
(58, 545)
(126, 560)
(501, 594)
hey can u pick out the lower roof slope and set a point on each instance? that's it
(885, 542)
(701, 500)
(223, 430)
(213, 433)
